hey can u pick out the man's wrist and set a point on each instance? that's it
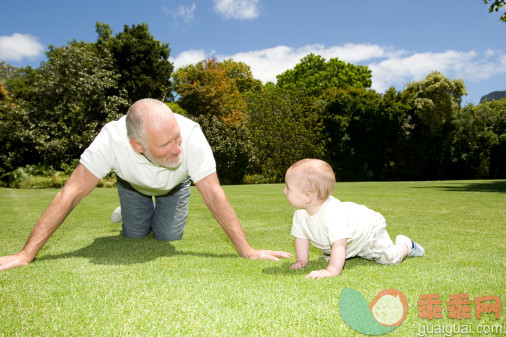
(247, 252)
(25, 257)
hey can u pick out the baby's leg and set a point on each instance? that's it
(413, 248)
(382, 250)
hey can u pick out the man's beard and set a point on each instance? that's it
(163, 162)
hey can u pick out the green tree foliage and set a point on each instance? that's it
(398, 105)
(479, 147)
(241, 73)
(436, 103)
(314, 75)
(141, 61)
(176, 108)
(17, 82)
(7, 71)
(211, 97)
(3, 92)
(285, 127)
(15, 139)
(437, 99)
(72, 99)
(363, 130)
(12, 148)
(206, 89)
(495, 6)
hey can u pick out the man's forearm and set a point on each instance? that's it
(217, 202)
(79, 185)
(47, 224)
(227, 218)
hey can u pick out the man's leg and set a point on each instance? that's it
(171, 211)
(136, 210)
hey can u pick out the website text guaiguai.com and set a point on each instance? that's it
(460, 329)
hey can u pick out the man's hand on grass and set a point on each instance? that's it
(267, 255)
(13, 261)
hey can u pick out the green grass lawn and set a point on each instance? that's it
(90, 281)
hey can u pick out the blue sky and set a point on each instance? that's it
(399, 40)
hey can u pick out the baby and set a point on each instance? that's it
(339, 229)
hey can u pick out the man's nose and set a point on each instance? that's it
(176, 148)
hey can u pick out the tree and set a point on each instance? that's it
(398, 105)
(479, 145)
(7, 71)
(142, 61)
(285, 127)
(241, 73)
(313, 75)
(211, 98)
(17, 81)
(436, 102)
(363, 130)
(73, 97)
(495, 6)
(205, 89)
(15, 138)
(437, 99)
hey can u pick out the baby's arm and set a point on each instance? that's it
(301, 253)
(336, 263)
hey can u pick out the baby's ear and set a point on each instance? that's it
(309, 197)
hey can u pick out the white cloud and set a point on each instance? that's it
(188, 57)
(267, 63)
(355, 53)
(185, 13)
(237, 9)
(469, 66)
(389, 66)
(18, 46)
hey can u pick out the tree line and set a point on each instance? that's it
(320, 109)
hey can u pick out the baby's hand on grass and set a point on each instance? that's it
(319, 274)
(299, 264)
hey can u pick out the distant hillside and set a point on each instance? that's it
(495, 95)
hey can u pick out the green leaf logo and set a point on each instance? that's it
(386, 312)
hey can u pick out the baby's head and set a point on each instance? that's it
(315, 176)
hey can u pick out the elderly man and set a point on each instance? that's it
(154, 153)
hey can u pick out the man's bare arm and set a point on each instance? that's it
(217, 202)
(79, 185)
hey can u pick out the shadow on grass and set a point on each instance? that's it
(118, 250)
(316, 264)
(485, 186)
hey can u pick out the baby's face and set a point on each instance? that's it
(293, 191)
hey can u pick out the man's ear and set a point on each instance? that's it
(136, 145)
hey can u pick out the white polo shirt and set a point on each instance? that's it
(111, 151)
